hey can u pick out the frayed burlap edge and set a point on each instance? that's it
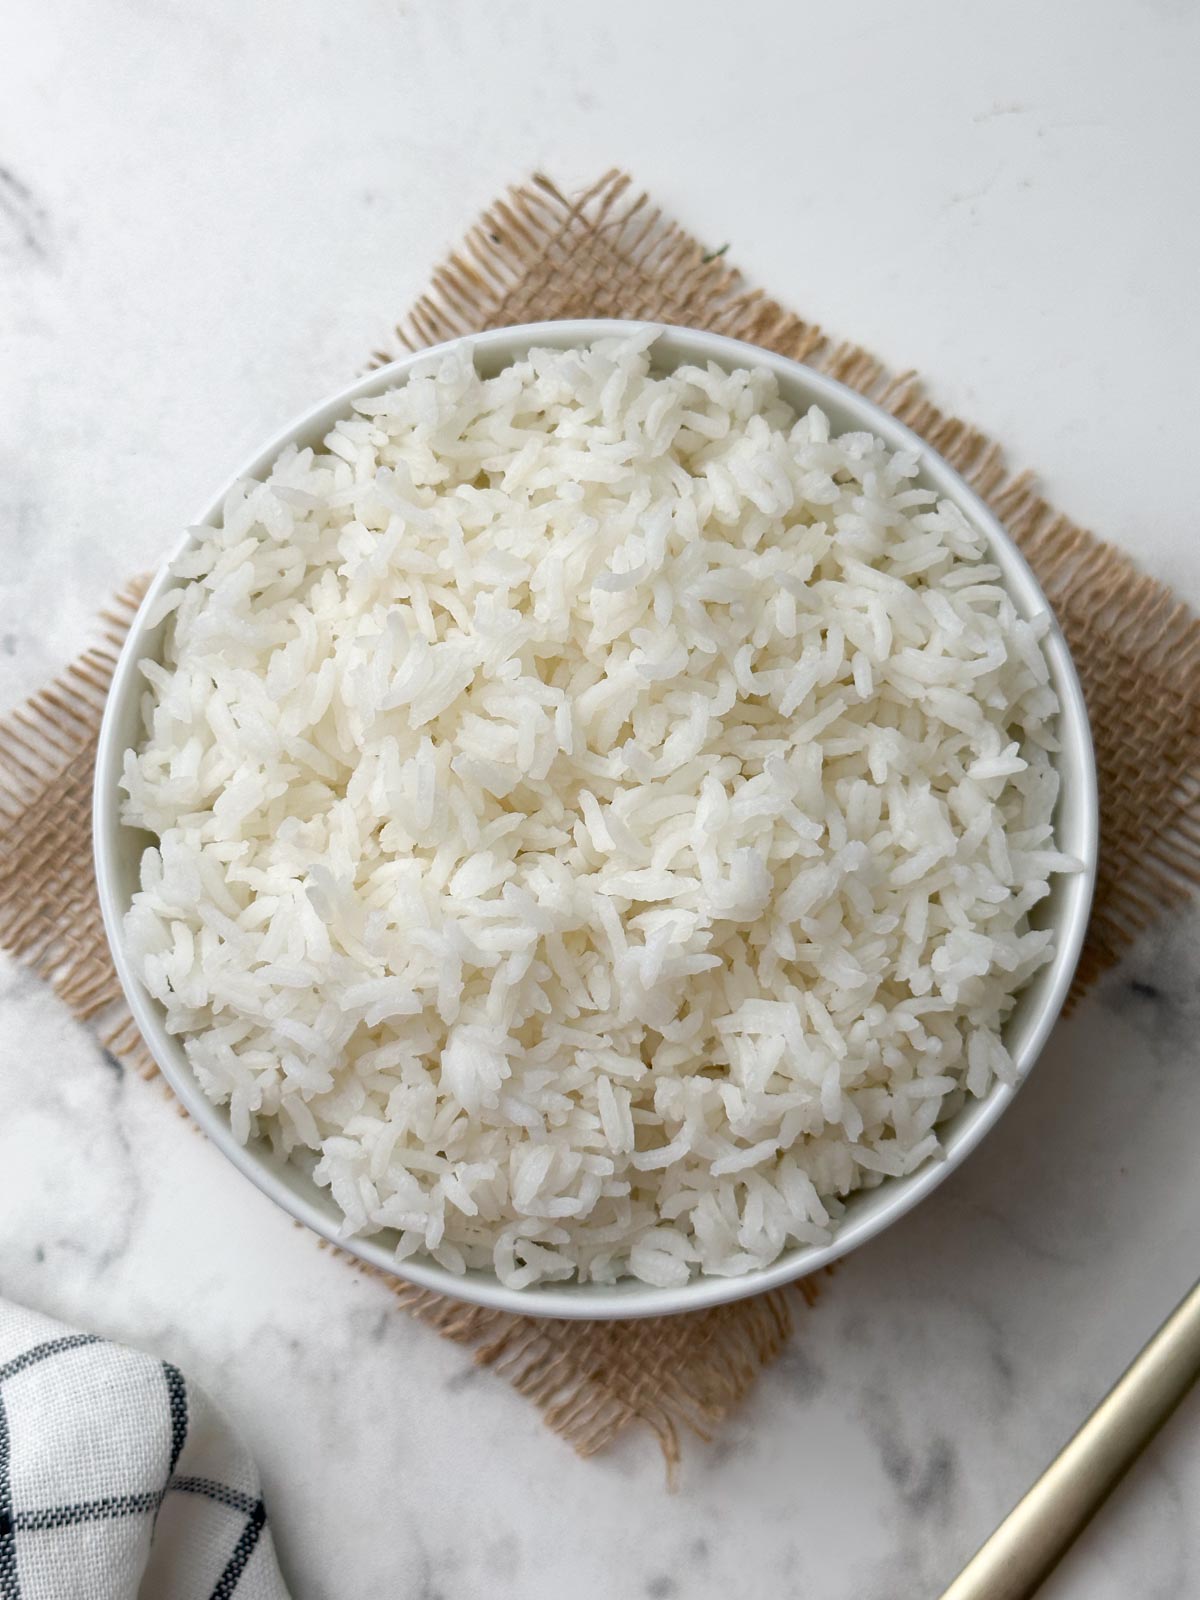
(589, 1380)
(538, 256)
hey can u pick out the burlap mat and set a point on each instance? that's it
(536, 256)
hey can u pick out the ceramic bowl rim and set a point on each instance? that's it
(628, 1298)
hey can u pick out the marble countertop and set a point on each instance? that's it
(208, 215)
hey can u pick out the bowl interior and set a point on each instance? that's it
(119, 850)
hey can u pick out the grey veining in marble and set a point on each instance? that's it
(209, 215)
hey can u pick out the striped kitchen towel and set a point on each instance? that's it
(118, 1478)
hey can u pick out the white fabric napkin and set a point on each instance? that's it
(118, 1479)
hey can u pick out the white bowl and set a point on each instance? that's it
(118, 852)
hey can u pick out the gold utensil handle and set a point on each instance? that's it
(1038, 1531)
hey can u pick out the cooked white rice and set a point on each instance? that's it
(598, 816)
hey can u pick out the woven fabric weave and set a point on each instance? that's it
(119, 1478)
(538, 256)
